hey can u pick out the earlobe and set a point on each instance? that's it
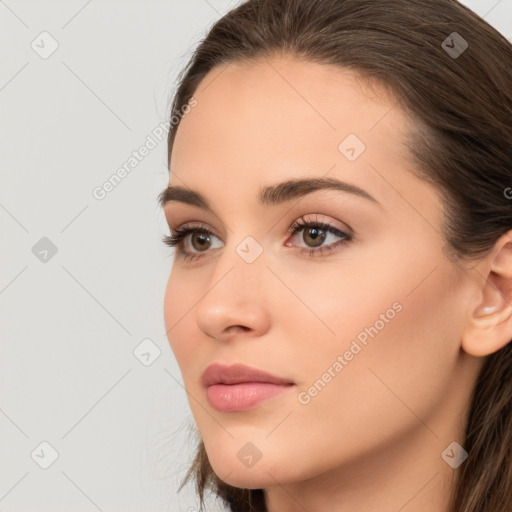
(489, 325)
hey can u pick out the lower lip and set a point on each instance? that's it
(239, 397)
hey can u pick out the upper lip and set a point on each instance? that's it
(237, 373)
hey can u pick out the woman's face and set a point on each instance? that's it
(366, 330)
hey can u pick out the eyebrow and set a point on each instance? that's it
(270, 195)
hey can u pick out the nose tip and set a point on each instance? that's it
(233, 306)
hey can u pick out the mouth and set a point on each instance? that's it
(239, 387)
(243, 396)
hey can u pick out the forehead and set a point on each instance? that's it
(266, 120)
(283, 101)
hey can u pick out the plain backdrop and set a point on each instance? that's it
(93, 413)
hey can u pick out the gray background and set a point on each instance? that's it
(72, 320)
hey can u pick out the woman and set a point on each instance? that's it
(340, 302)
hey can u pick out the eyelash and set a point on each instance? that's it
(176, 238)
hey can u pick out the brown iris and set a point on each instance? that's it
(202, 238)
(316, 235)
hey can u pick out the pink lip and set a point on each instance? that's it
(239, 387)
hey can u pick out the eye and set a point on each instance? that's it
(200, 240)
(314, 235)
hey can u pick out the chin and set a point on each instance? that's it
(248, 478)
(238, 470)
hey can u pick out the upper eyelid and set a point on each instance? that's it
(315, 217)
(347, 200)
(299, 224)
(198, 225)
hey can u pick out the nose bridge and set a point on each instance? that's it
(242, 263)
(236, 293)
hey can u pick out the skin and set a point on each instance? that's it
(372, 438)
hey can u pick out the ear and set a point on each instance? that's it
(489, 325)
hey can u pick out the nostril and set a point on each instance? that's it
(238, 328)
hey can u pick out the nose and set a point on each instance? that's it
(235, 299)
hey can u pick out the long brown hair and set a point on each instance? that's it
(462, 103)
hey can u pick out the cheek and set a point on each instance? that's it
(385, 338)
(180, 296)
(394, 344)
